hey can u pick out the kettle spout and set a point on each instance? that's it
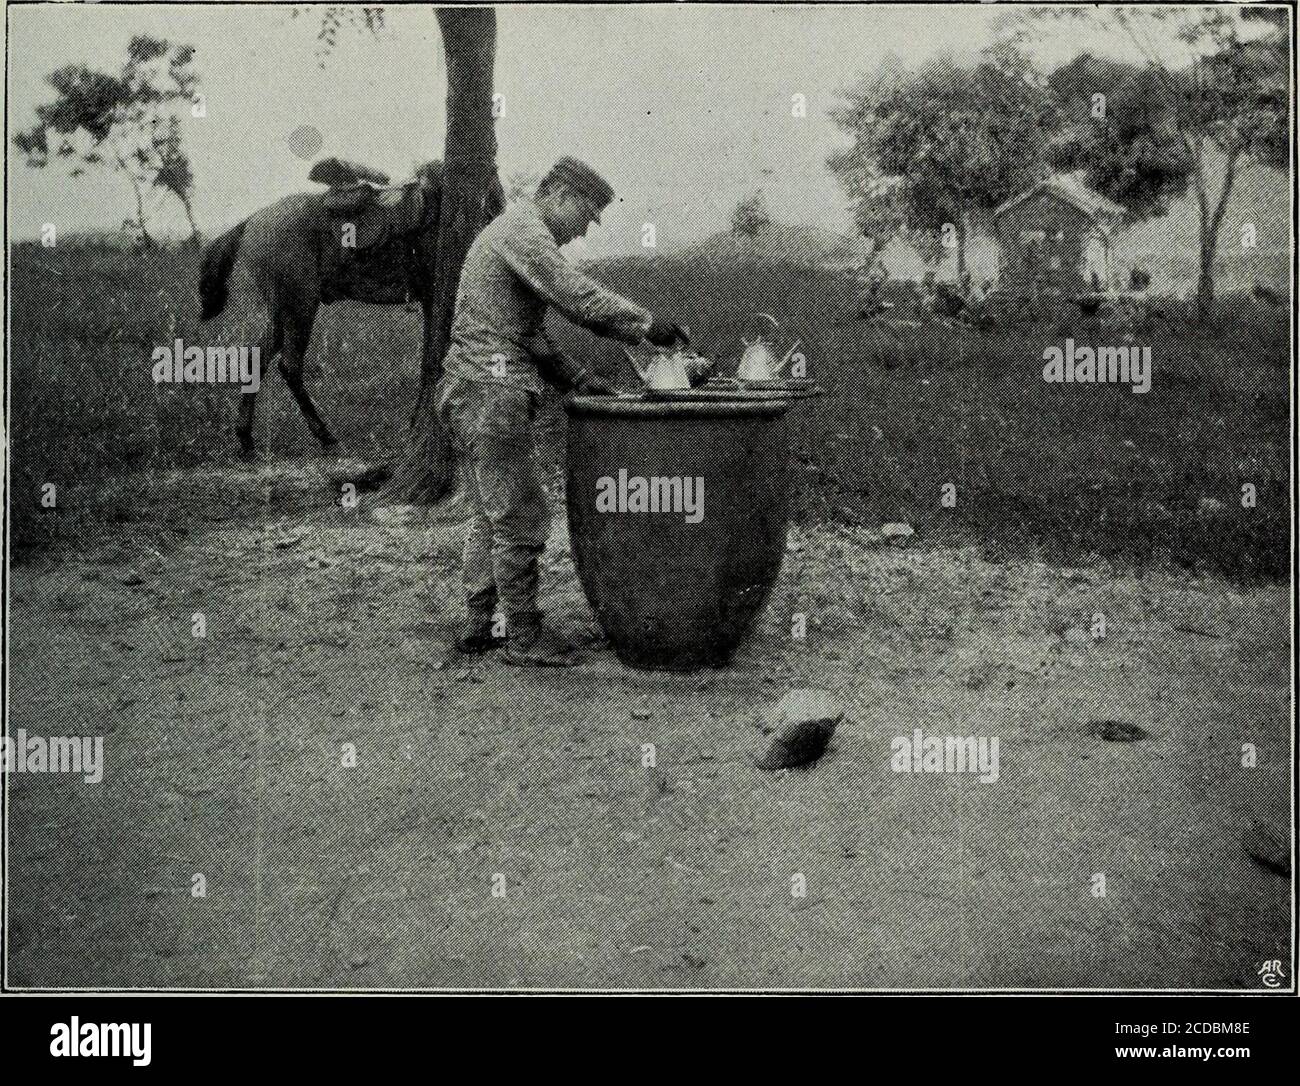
(642, 371)
(779, 368)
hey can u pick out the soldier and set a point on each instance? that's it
(489, 393)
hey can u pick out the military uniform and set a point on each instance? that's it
(491, 387)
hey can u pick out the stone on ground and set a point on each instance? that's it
(805, 719)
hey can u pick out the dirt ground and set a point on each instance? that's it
(327, 626)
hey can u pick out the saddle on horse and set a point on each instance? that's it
(337, 172)
(371, 231)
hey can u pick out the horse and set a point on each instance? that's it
(360, 239)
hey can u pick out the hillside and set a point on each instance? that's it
(778, 243)
(1166, 246)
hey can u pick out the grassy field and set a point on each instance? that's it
(1065, 472)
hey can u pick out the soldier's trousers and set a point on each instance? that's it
(492, 429)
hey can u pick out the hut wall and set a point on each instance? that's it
(1057, 260)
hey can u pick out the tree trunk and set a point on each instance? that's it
(1205, 282)
(1210, 224)
(469, 167)
(146, 239)
(189, 215)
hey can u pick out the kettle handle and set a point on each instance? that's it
(776, 327)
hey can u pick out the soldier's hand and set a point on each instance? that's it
(667, 334)
(590, 384)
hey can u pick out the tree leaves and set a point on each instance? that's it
(335, 18)
(1139, 153)
(751, 216)
(125, 123)
(942, 145)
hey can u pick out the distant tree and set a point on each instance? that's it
(173, 169)
(751, 216)
(879, 202)
(880, 213)
(125, 123)
(1118, 132)
(1150, 139)
(935, 151)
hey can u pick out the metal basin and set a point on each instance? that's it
(675, 570)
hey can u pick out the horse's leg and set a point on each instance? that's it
(299, 317)
(271, 342)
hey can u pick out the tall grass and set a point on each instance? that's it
(1068, 472)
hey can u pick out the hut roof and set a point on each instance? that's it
(1072, 191)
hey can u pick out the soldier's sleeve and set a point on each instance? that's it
(554, 366)
(533, 256)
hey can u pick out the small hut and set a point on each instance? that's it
(1056, 238)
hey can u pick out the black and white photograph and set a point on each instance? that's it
(686, 498)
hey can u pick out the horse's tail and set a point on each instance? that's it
(218, 259)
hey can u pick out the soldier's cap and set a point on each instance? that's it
(581, 178)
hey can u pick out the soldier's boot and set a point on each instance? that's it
(477, 635)
(591, 635)
(534, 645)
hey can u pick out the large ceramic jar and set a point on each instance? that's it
(677, 520)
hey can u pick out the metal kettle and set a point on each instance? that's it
(759, 361)
(664, 371)
(672, 370)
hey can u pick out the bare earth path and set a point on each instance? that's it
(225, 757)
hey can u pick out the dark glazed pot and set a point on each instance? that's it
(671, 594)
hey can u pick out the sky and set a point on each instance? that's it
(685, 108)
